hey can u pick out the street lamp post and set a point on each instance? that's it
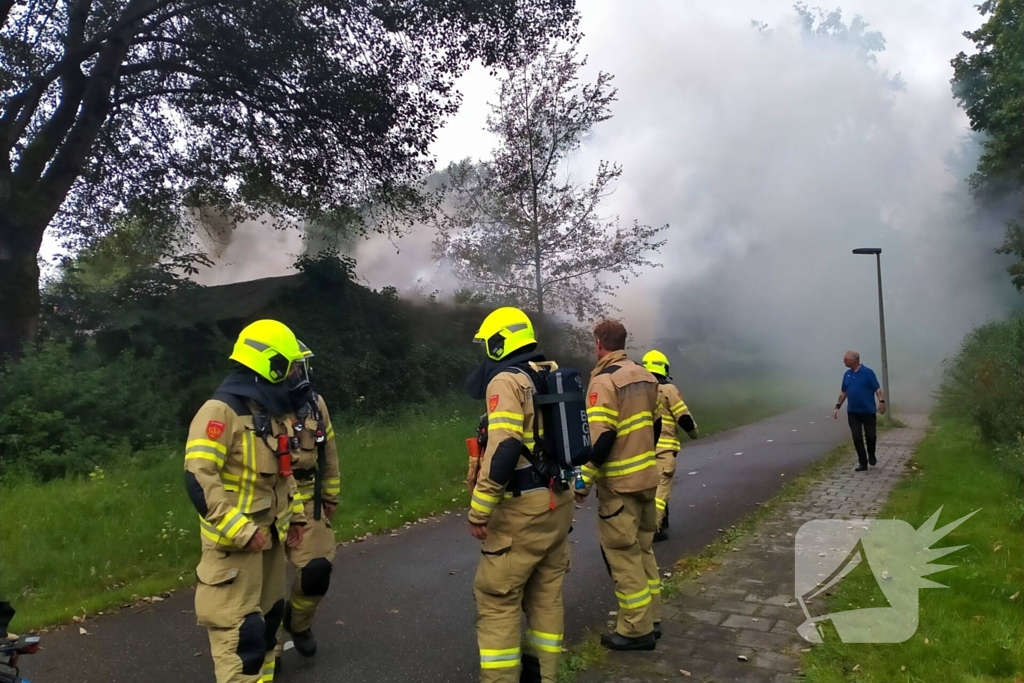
(881, 320)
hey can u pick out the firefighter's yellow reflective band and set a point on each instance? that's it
(635, 422)
(545, 642)
(247, 485)
(500, 659)
(302, 604)
(204, 449)
(629, 465)
(635, 600)
(219, 447)
(483, 503)
(505, 420)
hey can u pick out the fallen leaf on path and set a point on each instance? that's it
(197, 654)
(685, 672)
(82, 631)
(743, 658)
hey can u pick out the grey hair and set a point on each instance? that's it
(856, 356)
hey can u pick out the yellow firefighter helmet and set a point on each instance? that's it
(268, 348)
(656, 362)
(505, 330)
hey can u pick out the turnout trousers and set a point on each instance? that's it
(522, 564)
(240, 601)
(626, 526)
(666, 474)
(313, 561)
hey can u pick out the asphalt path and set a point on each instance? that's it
(401, 607)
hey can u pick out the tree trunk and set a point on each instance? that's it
(19, 284)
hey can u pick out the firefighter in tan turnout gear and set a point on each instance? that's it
(315, 465)
(238, 476)
(520, 513)
(622, 400)
(673, 412)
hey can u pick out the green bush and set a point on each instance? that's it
(66, 412)
(985, 383)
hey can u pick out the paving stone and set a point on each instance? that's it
(718, 652)
(714, 634)
(763, 641)
(705, 617)
(737, 672)
(786, 628)
(791, 613)
(749, 623)
(734, 607)
(773, 660)
(776, 600)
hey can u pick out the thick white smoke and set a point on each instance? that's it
(773, 156)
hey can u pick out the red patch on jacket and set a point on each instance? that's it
(492, 403)
(593, 399)
(214, 430)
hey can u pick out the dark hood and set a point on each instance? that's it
(275, 398)
(476, 383)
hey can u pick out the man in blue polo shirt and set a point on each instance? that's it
(861, 386)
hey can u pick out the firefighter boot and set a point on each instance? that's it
(304, 641)
(614, 641)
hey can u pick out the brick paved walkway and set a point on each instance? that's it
(745, 606)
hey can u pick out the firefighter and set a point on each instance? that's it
(520, 513)
(238, 476)
(622, 401)
(672, 410)
(313, 559)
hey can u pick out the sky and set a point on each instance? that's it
(770, 157)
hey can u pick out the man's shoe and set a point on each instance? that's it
(861, 468)
(872, 461)
(614, 641)
(305, 642)
(660, 535)
(657, 630)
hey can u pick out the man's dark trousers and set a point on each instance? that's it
(863, 424)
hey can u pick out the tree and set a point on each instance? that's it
(989, 85)
(131, 107)
(519, 228)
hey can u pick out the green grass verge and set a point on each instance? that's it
(970, 632)
(77, 546)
